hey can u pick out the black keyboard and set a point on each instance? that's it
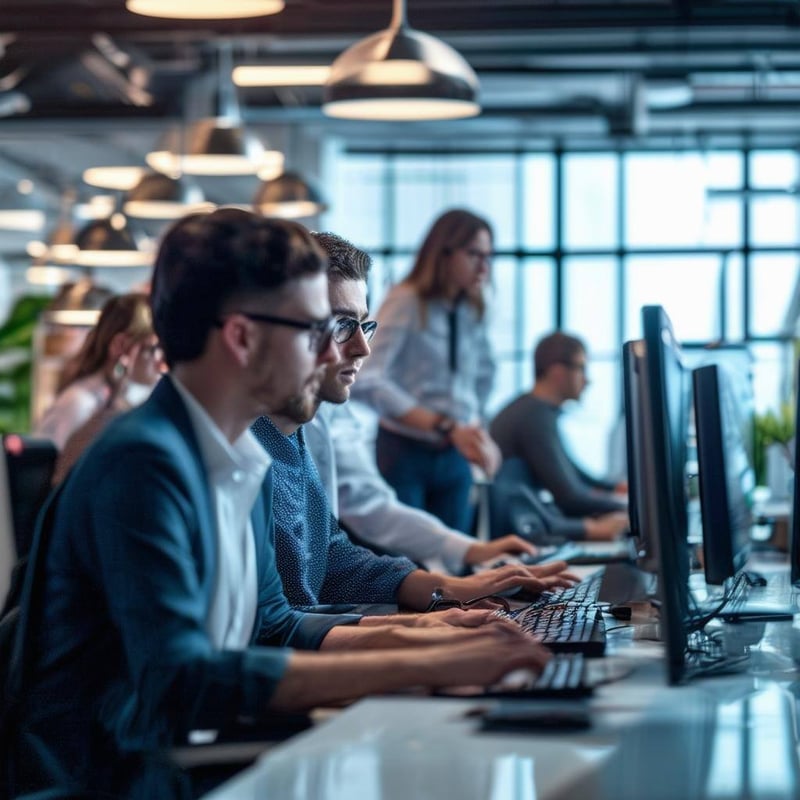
(575, 553)
(565, 628)
(564, 677)
(584, 593)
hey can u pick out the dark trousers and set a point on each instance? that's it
(436, 479)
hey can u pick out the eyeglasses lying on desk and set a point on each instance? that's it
(440, 602)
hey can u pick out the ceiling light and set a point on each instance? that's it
(212, 146)
(216, 145)
(159, 196)
(288, 196)
(205, 9)
(109, 243)
(401, 74)
(118, 178)
(47, 275)
(20, 208)
(281, 75)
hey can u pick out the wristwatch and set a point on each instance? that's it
(444, 427)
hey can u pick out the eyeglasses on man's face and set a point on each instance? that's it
(578, 366)
(320, 331)
(345, 327)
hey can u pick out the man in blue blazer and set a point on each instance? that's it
(153, 599)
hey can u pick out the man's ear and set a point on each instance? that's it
(238, 338)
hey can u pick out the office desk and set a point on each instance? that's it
(722, 737)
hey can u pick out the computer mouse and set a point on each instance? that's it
(755, 578)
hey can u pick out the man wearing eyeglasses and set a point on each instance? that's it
(359, 496)
(155, 607)
(317, 561)
(526, 430)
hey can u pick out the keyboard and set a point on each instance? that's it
(565, 628)
(584, 593)
(578, 554)
(775, 601)
(564, 677)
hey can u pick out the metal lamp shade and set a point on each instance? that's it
(401, 74)
(158, 196)
(211, 146)
(109, 243)
(289, 196)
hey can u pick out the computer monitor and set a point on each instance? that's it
(724, 426)
(794, 546)
(665, 404)
(638, 454)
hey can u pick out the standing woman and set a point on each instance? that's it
(431, 371)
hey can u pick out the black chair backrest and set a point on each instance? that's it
(30, 463)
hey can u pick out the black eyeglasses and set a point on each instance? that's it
(574, 365)
(320, 331)
(441, 602)
(345, 327)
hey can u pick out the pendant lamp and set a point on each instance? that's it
(159, 196)
(289, 196)
(205, 9)
(217, 145)
(109, 243)
(400, 74)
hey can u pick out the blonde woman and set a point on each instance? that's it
(431, 371)
(117, 365)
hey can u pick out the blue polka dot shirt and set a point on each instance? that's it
(317, 561)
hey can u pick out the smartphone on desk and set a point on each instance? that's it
(517, 716)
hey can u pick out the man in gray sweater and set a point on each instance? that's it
(527, 430)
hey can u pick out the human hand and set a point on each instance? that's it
(508, 579)
(606, 527)
(485, 658)
(475, 444)
(485, 551)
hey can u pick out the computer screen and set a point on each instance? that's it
(794, 547)
(638, 447)
(666, 403)
(724, 426)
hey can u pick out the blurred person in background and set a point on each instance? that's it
(115, 369)
(431, 372)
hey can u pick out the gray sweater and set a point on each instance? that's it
(527, 428)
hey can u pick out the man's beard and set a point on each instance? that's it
(299, 408)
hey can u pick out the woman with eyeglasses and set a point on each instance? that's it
(431, 371)
(115, 369)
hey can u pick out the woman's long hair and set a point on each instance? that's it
(452, 230)
(126, 313)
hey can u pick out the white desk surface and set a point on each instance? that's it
(722, 737)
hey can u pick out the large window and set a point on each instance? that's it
(585, 239)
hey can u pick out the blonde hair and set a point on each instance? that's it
(453, 230)
(127, 313)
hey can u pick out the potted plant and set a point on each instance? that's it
(773, 458)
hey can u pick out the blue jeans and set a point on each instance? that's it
(436, 479)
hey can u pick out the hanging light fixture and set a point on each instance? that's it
(20, 209)
(289, 196)
(401, 74)
(109, 243)
(159, 196)
(216, 145)
(119, 178)
(205, 9)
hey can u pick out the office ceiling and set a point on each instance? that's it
(85, 81)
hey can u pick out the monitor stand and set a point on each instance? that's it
(626, 583)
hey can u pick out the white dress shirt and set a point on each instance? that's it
(366, 504)
(235, 473)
